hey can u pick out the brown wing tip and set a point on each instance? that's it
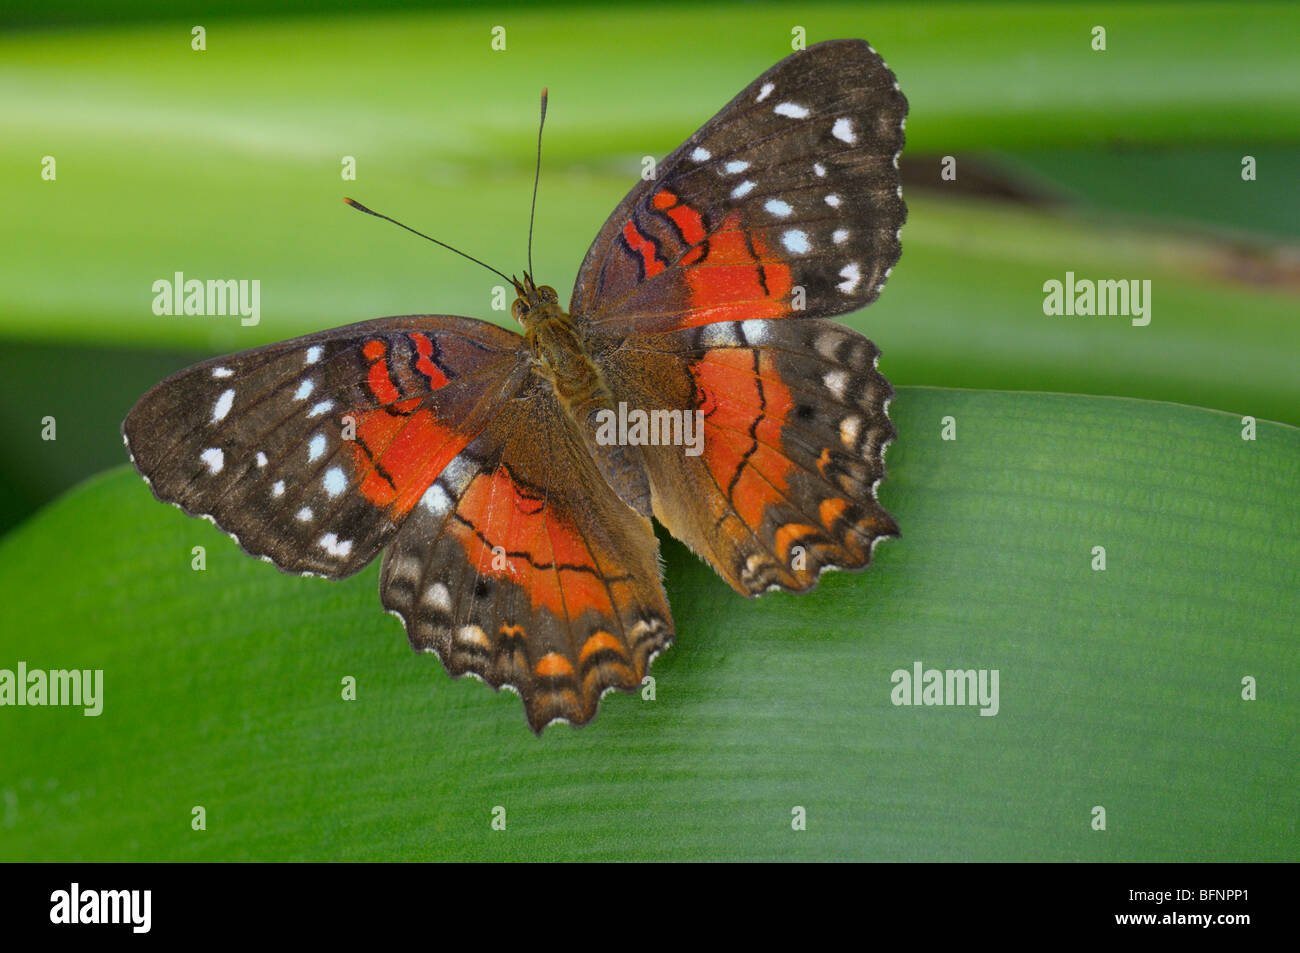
(556, 687)
(563, 692)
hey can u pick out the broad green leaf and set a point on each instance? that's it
(1119, 689)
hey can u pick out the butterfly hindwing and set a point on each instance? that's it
(795, 428)
(522, 567)
(311, 452)
(786, 203)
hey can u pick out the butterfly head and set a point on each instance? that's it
(534, 301)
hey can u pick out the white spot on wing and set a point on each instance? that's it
(214, 458)
(457, 473)
(316, 449)
(851, 276)
(335, 546)
(755, 331)
(334, 481)
(473, 635)
(840, 235)
(736, 165)
(826, 342)
(438, 597)
(277, 488)
(819, 169)
(843, 131)
(313, 354)
(222, 406)
(793, 110)
(435, 500)
(778, 207)
(833, 200)
(835, 382)
(765, 92)
(701, 154)
(719, 334)
(304, 514)
(261, 459)
(222, 372)
(323, 407)
(849, 430)
(795, 240)
(304, 389)
(404, 567)
(743, 189)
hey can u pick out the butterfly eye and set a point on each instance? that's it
(548, 294)
(519, 309)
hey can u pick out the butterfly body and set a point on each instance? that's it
(509, 479)
(562, 356)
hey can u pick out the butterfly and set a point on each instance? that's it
(513, 515)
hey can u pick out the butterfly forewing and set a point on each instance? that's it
(311, 452)
(786, 203)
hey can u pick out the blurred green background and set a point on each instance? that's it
(1122, 163)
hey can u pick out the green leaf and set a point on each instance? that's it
(1119, 688)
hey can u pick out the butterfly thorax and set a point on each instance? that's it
(558, 349)
(561, 357)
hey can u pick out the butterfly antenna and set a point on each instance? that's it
(361, 208)
(536, 177)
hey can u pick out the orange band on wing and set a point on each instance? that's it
(830, 510)
(733, 283)
(378, 379)
(399, 456)
(600, 641)
(554, 664)
(688, 221)
(423, 362)
(509, 533)
(732, 395)
(643, 247)
(746, 404)
(788, 535)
